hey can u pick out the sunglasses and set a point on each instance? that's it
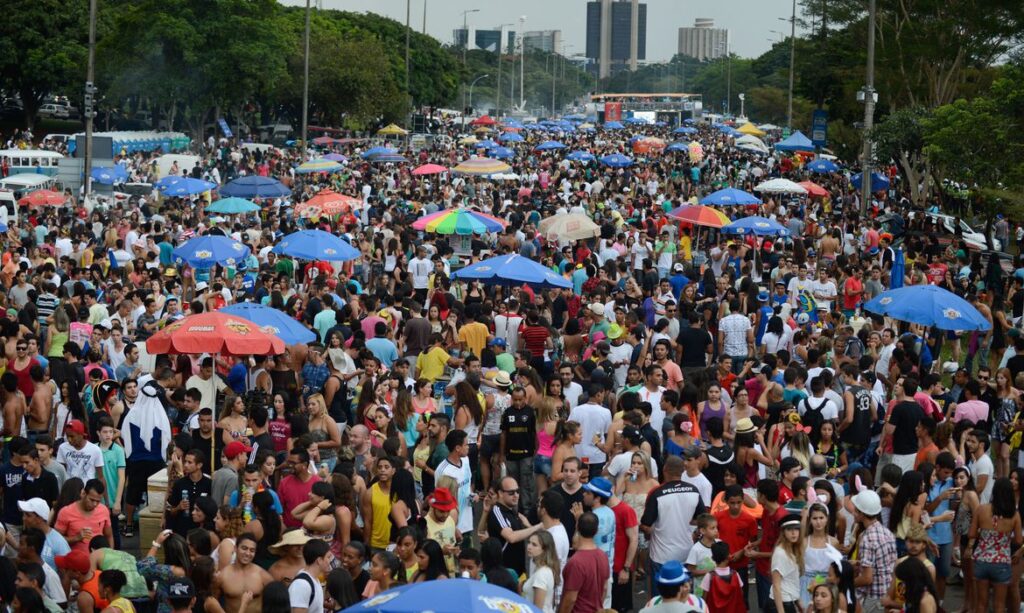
(511, 492)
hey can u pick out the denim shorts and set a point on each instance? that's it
(542, 465)
(991, 572)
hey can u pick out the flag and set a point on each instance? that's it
(807, 304)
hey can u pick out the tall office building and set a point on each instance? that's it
(616, 34)
(549, 41)
(487, 39)
(703, 41)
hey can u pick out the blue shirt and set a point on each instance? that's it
(678, 282)
(579, 277)
(941, 533)
(236, 378)
(605, 537)
(384, 350)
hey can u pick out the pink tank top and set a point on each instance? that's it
(545, 443)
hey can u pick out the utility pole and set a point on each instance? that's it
(424, 30)
(90, 89)
(554, 79)
(522, 64)
(869, 112)
(465, 45)
(408, 33)
(305, 87)
(792, 63)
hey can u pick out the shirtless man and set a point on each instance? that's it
(243, 581)
(14, 405)
(41, 407)
(291, 561)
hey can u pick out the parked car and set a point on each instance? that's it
(946, 226)
(53, 111)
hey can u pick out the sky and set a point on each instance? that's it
(750, 21)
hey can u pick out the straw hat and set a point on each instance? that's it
(294, 537)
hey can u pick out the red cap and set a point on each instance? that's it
(76, 560)
(234, 448)
(76, 426)
(442, 500)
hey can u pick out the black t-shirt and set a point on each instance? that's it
(44, 486)
(567, 518)
(694, 342)
(1017, 304)
(203, 444)
(520, 429)
(905, 416)
(13, 491)
(261, 441)
(718, 459)
(513, 555)
(181, 522)
(1016, 366)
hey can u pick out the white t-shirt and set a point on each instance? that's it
(703, 486)
(657, 413)
(420, 270)
(983, 466)
(828, 288)
(698, 553)
(593, 419)
(208, 388)
(463, 474)
(541, 579)
(572, 393)
(299, 596)
(623, 461)
(507, 327)
(828, 411)
(81, 463)
(790, 572)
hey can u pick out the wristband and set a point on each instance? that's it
(156, 545)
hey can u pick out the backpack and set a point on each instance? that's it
(725, 594)
(312, 588)
(813, 417)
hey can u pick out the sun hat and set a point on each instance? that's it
(292, 537)
(745, 425)
(502, 379)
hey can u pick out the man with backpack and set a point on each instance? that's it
(858, 415)
(305, 593)
(817, 409)
(723, 587)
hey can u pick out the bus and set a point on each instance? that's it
(36, 161)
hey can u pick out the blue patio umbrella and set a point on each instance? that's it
(616, 160)
(758, 226)
(255, 186)
(388, 158)
(730, 196)
(511, 137)
(486, 144)
(501, 153)
(613, 125)
(879, 182)
(183, 186)
(272, 321)
(581, 156)
(111, 175)
(316, 245)
(550, 145)
(372, 151)
(336, 157)
(684, 130)
(899, 270)
(637, 121)
(822, 166)
(450, 596)
(207, 251)
(678, 147)
(513, 123)
(929, 305)
(233, 206)
(512, 270)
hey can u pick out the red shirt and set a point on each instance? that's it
(293, 492)
(738, 532)
(586, 574)
(625, 518)
(852, 286)
(770, 531)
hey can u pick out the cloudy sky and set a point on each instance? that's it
(750, 21)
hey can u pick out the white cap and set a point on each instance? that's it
(35, 505)
(201, 286)
(868, 503)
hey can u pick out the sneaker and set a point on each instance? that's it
(129, 531)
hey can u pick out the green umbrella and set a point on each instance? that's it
(233, 206)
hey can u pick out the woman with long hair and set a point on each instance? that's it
(1017, 481)
(995, 534)
(233, 420)
(430, 561)
(407, 541)
(203, 570)
(840, 576)
(228, 524)
(824, 599)
(266, 526)
(548, 410)
(827, 444)
(749, 443)
(820, 551)
(423, 400)
(1006, 409)
(714, 406)
(177, 563)
(469, 414)
(539, 589)
(323, 430)
(317, 513)
(920, 596)
(344, 510)
(405, 417)
(907, 507)
(340, 590)
(531, 382)
(567, 436)
(964, 503)
(385, 573)
(787, 567)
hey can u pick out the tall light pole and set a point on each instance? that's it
(305, 86)
(869, 112)
(522, 64)
(483, 76)
(742, 98)
(792, 63)
(424, 30)
(90, 89)
(501, 43)
(408, 33)
(465, 45)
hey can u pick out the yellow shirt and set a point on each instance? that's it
(474, 335)
(430, 365)
(685, 246)
(380, 531)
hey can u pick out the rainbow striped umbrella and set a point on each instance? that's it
(459, 221)
(319, 165)
(701, 216)
(482, 167)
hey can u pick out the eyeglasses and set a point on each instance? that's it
(22, 348)
(983, 377)
(511, 492)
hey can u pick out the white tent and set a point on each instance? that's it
(749, 141)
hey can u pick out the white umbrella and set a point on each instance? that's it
(574, 226)
(750, 141)
(768, 127)
(780, 186)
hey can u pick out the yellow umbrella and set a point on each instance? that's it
(482, 167)
(392, 130)
(751, 129)
(469, 140)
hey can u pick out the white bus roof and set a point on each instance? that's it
(26, 179)
(35, 153)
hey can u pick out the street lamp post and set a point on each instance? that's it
(792, 62)
(465, 45)
(501, 43)
(305, 86)
(742, 98)
(869, 112)
(483, 76)
(408, 32)
(90, 89)
(522, 64)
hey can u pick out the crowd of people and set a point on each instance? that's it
(702, 422)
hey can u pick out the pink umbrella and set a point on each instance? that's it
(429, 169)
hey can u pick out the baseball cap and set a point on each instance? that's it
(599, 486)
(678, 267)
(868, 503)
(76, 560)
(233, 449)
(181, 588)
(76, 426)
(35, 505)
(497, 342)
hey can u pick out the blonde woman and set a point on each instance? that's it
(323, 430)
(787, 567)
(547, 427)
(568, 435)
(540, 587)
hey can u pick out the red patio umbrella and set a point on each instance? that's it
(486, 120)
(214, 333)
(813, 189)
(327, 202)
(43, 197)
(429, 169)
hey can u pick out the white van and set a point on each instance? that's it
(14, 187)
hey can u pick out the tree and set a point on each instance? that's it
(900, 136)
(43, 50)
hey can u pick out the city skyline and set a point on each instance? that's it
(664, 18)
